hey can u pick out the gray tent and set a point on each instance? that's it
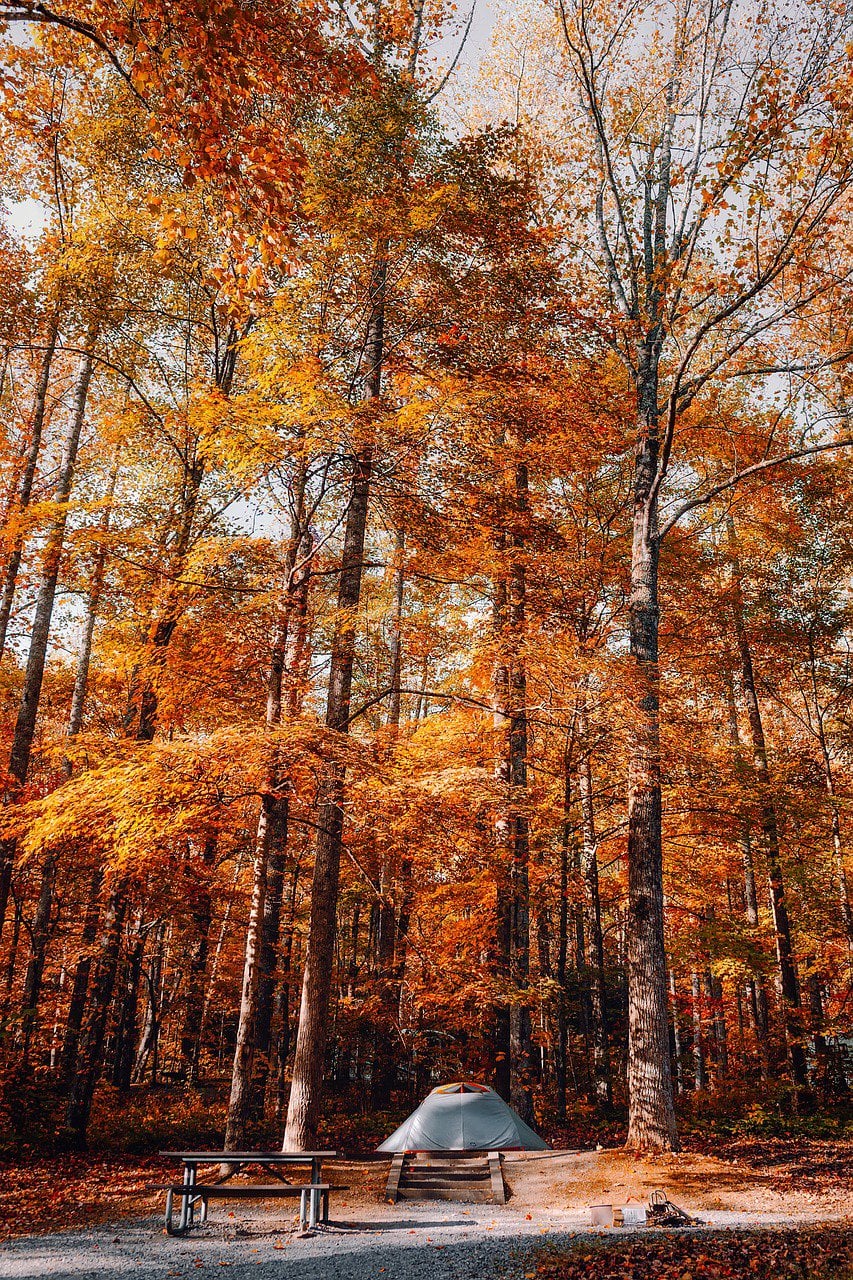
(463, 1117)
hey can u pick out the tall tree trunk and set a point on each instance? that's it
(755, 984)
(844, 901)
(523, 1063)
(720, 1029)
(89, 1059)
(40, 935)
(676, 1033)
(10, 575)
(269, 975)
(11, 960)
(238, 1102)
(281, 1047)
(651, 1113)
(385, 1057)
(42, 920)
(598, 1011)
(202, 914)
(84, 653)
(502, 1052)
(25, 726)
(563, 937)
(306, 1089)
(125, 1035)
(700, 1077)
(254, 1028)
(794, 1030)
(80, 984)
(150, 1038)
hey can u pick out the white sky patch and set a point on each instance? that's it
(25, 217)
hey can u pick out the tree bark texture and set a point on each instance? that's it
(254, 1029)
(10, 576)
(595, 968)
(794, 1030)
(651, 1113)
(306, 1089)
(89, 1059)
(25, 726)
(202, 914)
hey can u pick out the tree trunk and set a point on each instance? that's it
(281, 1046)
(755, 984)
(25, 727)
(834, 807)
(385, 1056)
(720, 1031)
(11, 959)
(563, 939)
(42, 920)
(125, 1043)
(150, 1037)
(700, 1077)
(254, 1029)
(89, 1058)
(241, 1075)
(307, 1086)
(794, 1030)
(202, 914)
(651, 1113)
(10, 576)
(676, 1033)
(522, 1062)
(502, 1052)
(80, 985)
(269, 961)
(595, 968)
(84, 653)
(35, 967)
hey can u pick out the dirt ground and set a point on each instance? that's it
(696, 1182)
(750, 1183)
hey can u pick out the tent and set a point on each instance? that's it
(463, 1117)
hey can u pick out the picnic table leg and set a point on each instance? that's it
(314, 1203)
(302, 1197)
(186, 1199)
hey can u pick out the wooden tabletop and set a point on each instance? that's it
(268, 1157)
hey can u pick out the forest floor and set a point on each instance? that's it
(87, 1216)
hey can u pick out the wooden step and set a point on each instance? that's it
(466, 1195)
(469, 1177)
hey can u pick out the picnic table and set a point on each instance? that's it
(313, 1195)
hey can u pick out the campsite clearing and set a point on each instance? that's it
(757, 1183)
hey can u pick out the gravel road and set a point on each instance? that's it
(414, 1241)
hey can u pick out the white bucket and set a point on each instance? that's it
(601, 1215)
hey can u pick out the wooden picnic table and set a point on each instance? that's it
(313, 1195)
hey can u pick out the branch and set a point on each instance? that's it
(755, 469)
(23, 12)
(449, 72)
(420, 693)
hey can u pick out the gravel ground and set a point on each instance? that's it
(407, 1241)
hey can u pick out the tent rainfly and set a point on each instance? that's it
(463, 1117)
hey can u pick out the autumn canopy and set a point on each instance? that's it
(425, 559)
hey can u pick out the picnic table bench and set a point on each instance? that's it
(313, 1195)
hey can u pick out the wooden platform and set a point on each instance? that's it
(467, 1176)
